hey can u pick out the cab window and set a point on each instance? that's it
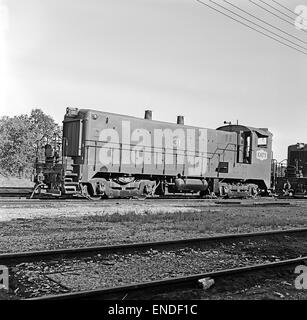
(244, 151)
(262, 141)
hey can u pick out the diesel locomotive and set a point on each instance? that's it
(111, 155)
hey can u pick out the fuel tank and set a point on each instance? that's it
(190, 185)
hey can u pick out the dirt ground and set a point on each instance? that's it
(38, 225)
(265, 285)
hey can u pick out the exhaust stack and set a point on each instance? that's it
(148, 115)
(180, 120)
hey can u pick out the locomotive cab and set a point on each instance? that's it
(253, 153)
(252, 143)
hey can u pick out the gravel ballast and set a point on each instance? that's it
(103, 271)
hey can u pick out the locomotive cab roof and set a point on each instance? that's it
(261, 132)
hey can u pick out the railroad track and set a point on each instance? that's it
(12, 259)
(152, 288)
(15, 192)
(9, 258)
(25, 192)
(211, 202)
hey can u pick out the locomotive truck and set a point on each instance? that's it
(111, 155)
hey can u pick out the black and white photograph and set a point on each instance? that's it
(153, 153)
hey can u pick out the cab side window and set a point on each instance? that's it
(262, 142)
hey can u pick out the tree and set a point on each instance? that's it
(21, 137)
(42, 125)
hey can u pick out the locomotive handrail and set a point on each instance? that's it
(156, 152)
(130, 145)
(162, 153)
(143, 148)
(185, 151)
(224, 149)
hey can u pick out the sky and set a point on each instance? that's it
(175, 57)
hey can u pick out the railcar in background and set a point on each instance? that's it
(291, 177)
(111, 155)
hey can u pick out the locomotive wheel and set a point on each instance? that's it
(161, 189)
(253, 191)
(203, 194)
(224, 193)
(88, 194)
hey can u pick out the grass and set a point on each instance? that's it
(147, 217)
(149, 224)
(209, 220)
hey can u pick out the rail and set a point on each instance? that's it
(73, 252)
(148, 288)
